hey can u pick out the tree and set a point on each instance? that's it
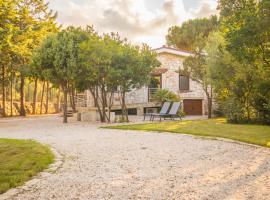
(228, 80)
(197, 69)
(132, 66)
(191, 35)
(24, 24)
(108, 62)
(96, 73)
(58, 56)
(245, 25)
(7, 28)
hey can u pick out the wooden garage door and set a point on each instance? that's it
(193, 107)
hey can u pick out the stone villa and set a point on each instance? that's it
(165, 77)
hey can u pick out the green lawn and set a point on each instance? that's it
(254, 134)
(20, 160)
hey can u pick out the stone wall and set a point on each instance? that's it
(170, 79)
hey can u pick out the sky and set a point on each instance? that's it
(140, 21)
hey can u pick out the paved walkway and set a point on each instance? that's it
(113, 164)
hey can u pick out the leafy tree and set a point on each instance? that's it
(132, 67)
(191, 35)
(24, 24)
(245, 25)
(58, 56)
(94, 70)
(108, 62)
(7, 15)
(225, 74)
(197, 69)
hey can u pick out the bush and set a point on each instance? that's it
(262, 102)
(165, 95)
(234, 111)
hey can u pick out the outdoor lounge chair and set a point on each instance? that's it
(172, 114)
(164, 110)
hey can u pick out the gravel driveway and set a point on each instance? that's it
(112, 164)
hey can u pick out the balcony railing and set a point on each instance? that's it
(151, 93)
(81, 100)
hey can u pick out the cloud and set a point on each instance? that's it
(205, 11)
(139, 21)
(130, 21)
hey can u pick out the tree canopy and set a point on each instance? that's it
(58, 56)
(191, 35)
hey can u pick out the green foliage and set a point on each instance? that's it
(58, 57)
(239, 59)
(23, 26)
(132, 66)
(95, 71)
(262, 101)
(164, 95)
(107, 62)
(20, 160)
(191, 35)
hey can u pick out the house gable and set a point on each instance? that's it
(172, 51)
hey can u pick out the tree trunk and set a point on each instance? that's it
(110, 103)
(65, 91)
(22, 96)
(3, 91)
(47, 98)
(124, 107)
(95, 93)
(73, 98)
(58, 101)
(42, 96)
(11, 96)
(209, 99)
(35, 97)
(104, 102)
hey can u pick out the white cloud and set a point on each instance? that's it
(139, 20)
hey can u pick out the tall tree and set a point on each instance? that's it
(58, 55)
(8, 15)
(191, 35)
(94, 70)
(34, 20)
(245, 25)
(132, 66)
(197, 69)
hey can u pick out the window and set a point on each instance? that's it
(155, 82)
(183, 83)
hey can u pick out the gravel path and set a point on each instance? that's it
(112, 164)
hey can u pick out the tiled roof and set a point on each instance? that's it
(159, 71)
(171, 50)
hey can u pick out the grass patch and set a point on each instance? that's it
(254, 134)
(20, 160)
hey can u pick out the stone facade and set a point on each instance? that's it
(170, 79)
(171, 60)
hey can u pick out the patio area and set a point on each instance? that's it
(113, 164)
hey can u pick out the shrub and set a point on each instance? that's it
(165, 95)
